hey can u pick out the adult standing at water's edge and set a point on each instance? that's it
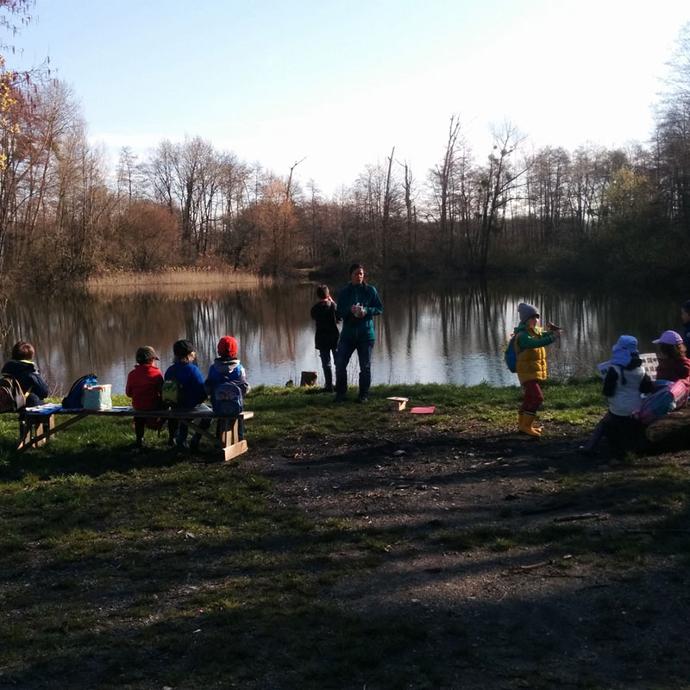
(358, 303)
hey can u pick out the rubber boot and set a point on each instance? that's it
(536, 424)
(526, 420)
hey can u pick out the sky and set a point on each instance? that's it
(339, 83)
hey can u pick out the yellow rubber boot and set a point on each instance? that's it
(526, 421)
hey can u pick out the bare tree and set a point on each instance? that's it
(385, 216)
(443, 181)
(496, 184)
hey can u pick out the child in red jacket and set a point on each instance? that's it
(144, 385)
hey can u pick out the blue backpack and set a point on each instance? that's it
(227, 399)
(510, 355)
(72, 401)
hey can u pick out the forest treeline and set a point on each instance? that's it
(584, 213)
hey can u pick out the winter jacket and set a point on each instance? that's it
(358, 329)
(29, 378)
(670, 369)
(191, 382)
(226, 370)
(623, 386)
(531, 352)
(326, 337)
(144, 384)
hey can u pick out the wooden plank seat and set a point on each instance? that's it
(38, 424)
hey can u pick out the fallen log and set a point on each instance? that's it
(670, 432)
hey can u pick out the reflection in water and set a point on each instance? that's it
(445, 335)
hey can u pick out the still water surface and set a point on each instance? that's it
(443, 335)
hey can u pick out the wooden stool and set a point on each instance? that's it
(308, 378)
(397, 404)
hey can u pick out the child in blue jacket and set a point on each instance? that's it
(191, 389)
(227, 368)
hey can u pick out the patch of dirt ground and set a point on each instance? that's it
(525, 564)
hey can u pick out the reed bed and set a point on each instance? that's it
(183, 279)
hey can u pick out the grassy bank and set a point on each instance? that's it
(159, 569)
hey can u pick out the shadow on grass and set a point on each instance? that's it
(192, 577)
(143, 571)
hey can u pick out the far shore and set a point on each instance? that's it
(185, 278)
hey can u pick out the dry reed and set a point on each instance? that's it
(174, 280)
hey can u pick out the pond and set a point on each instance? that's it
(432, 334)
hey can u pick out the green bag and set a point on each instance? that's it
(171, 393)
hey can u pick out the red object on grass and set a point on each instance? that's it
(423, 410)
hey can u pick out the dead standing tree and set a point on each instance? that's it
(410, 216)
(385, 216)
(443, 178)
(496, 184)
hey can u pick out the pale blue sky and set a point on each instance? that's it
(342, 82)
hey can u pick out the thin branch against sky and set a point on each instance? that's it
(341, 83)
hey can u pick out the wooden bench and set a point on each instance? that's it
(38, 424)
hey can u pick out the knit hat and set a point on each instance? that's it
(146, 354)
(668, 338)
(227, 347)
(182, 348)
(527, 311)
(623, 350)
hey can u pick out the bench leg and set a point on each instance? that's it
(230, 452)
(35, 432)
(24, 433)
(229, 435)
(44, 429)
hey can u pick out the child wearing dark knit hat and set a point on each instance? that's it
(190, 381)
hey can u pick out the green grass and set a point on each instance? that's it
(138, 570)
(300, 413)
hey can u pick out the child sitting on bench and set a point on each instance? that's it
(227, 369)
(144, 385)
(190, 383)
(22, 368)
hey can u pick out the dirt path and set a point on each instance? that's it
(524, 564)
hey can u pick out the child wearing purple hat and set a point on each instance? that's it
(673, 362)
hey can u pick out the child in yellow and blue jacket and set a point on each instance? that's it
(530, 345)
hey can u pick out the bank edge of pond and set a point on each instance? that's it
(304, 412)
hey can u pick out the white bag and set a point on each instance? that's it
(97, 397)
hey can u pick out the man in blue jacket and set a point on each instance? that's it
(358, 303)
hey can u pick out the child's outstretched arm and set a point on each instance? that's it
(526, 341)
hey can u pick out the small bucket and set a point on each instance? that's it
(97, 397)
